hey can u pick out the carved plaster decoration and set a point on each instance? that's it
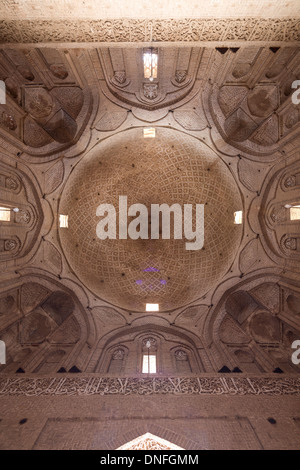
(150, 90)
(149, 343)
(180, 75)
(181, 355)
(160, 30)
(86, 386)
(118, 354)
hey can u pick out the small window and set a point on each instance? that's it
(149, 132)
(238, 217)
(149, 364)
(63, 221)
(152, 307)
(2, 92)
(150, 58)
(5, 214)
(295, 212)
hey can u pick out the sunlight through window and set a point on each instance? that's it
(150, 58)
(5, 214)
(152, 307)
(149, 364)
(295, 213)
(63, 221)
(149, 132)
(238, 217)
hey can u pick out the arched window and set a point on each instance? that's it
(149, 365)
(183, 365)
(116, 362)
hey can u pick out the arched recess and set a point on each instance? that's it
(167, 340)
(183, 360)
(116, 359)
(254, 324)
(44, 327)
(23, 212)
(279, 233)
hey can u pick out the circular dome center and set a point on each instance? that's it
(172, 168)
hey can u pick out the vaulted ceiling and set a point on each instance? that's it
(71, 138)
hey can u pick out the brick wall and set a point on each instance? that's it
(191, 422)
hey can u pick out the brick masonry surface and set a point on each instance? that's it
(191, 422)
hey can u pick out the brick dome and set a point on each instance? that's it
(171, 168)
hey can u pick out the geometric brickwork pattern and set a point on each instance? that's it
(171, 168)
(72, 307)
